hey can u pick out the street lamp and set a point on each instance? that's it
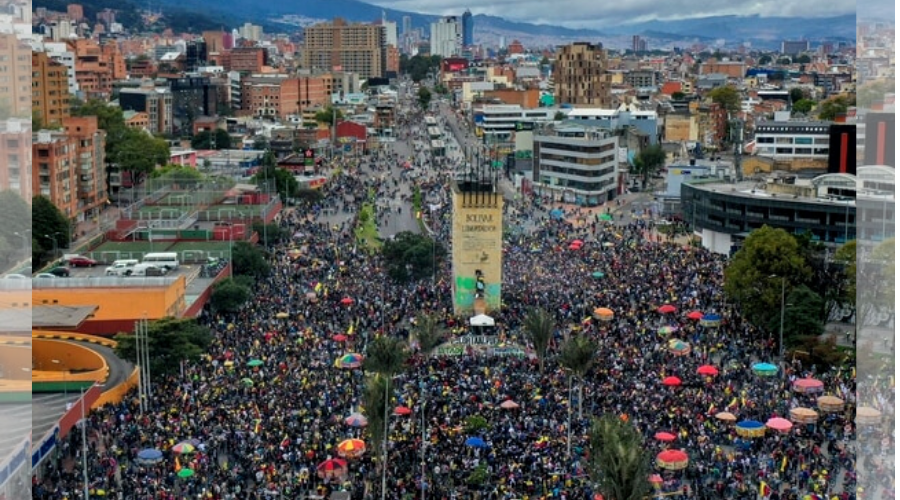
(24, 239)
(55, 244)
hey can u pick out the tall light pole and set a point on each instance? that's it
(55, 244)
(25, 241)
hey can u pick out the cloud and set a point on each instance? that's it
(594, 14)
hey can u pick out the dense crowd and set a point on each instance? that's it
(261, 431)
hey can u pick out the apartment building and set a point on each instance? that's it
(155, 101)
(97, 66)
(15, 157)
(90, 165)
(580, 75)
(248, 59)
(50, 89)
(280, 96)
(338, 45)
(55, 154)
(15, 82)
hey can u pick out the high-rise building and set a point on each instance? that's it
(15, 89)
(638, 44)
(446, 37)
(55, 157)
(468, 29)
(155, 101)
(252, 32)
(407, 25)
(580, 75)
(90, 183)
(75, 12)
(357, 48)
(215, 41)
(50, 92)
(15, 157)
(792, 48)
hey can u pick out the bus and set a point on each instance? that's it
(165, 260)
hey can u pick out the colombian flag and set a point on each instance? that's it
(764, 490)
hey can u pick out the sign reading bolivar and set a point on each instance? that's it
(477, 250)
(479, 223)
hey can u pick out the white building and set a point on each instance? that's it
(446, 37)
(251, 32)
(577, 165)
(792, 139)
(498, 121)
(390, 33)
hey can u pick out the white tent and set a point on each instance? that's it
(481, 320)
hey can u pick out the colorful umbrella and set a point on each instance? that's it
(804, 415)
(606, 217)
(726, 416)
(349, 361)
(339, 338)
(402, 411)
(351, 448)
(247, 381)
(656, 479)
(708, 370)
(667, 309)
(333, 468)
(672, 460)
(253, 363)
(867, 416)
(671, 381)
(711, 320)
(830, 404)
(184, 448)
(665, 437)
(597, 274)
(808, 385)
(695, 315)
(667, 330)
(149, 456)
(764, 369)
(185, 473)
(779, 424)
(282, 315)
(346, 301)
(604, 313)
(750, 428)
(476, 442)
(356, 420)
(509, 405)
(679, 347)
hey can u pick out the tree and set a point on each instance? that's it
(727, 97)
(308, 197)
(37, 122)
(177, 173)
(418, 67)
(424, 97)
(764, 60)
(678, 95)
(269, 234)
(204, 140)
(428, 333)
(846, 256)
(170, 341)
(648, 162)
(282, 180)
(328, 115)
(559, 116)
(109, 118)
(796, 94)
(753, 278)
(229, 296)
(385, 356)
(784, 61)
(802, 59)
(375, 407)
(803, 315)
(831, 108)
(538, 326)
(803, 106)
(877, 273)
(577, 356)
(871, 92)
(618, 463)
(412, 256)
(139, 152)
(248, 260)
(49, 226)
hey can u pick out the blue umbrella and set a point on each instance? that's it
(711, 320)
(764, 369)
(556, 213)
(149, 456)
(476, 442)
(750, 428)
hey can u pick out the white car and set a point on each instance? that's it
(45, 275)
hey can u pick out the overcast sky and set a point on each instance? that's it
(595, 14)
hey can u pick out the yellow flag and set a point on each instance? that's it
(784, 463)
(350, 329)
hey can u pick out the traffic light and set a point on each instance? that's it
(479, 284)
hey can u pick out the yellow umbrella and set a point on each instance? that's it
(804, 415)
(351, 448)
(830, 404)
(726, 416)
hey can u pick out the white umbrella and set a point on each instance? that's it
(481, 320)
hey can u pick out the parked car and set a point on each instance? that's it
(81, 261)
(15, 277)
(45, 275)
(60, 272)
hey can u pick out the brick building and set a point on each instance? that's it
(15, 90)
(90, 168)
(97, 66)
(580, 75)
(248, 59)
(50, 89)
(15, 157)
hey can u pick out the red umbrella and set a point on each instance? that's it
(672, 460)
(695, 315)
(807, 385)
(779, 424)
(402, 410)
(346, 301)
(665, 437)
(339, 338)
(656, 479)
(667, 309)
(332, 468)
(574, 247)
(708, 370)
(672, 381)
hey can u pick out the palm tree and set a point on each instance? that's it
(539, 327)
(576, 357)
(385, 356)
(428, 333)
(619, 463)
